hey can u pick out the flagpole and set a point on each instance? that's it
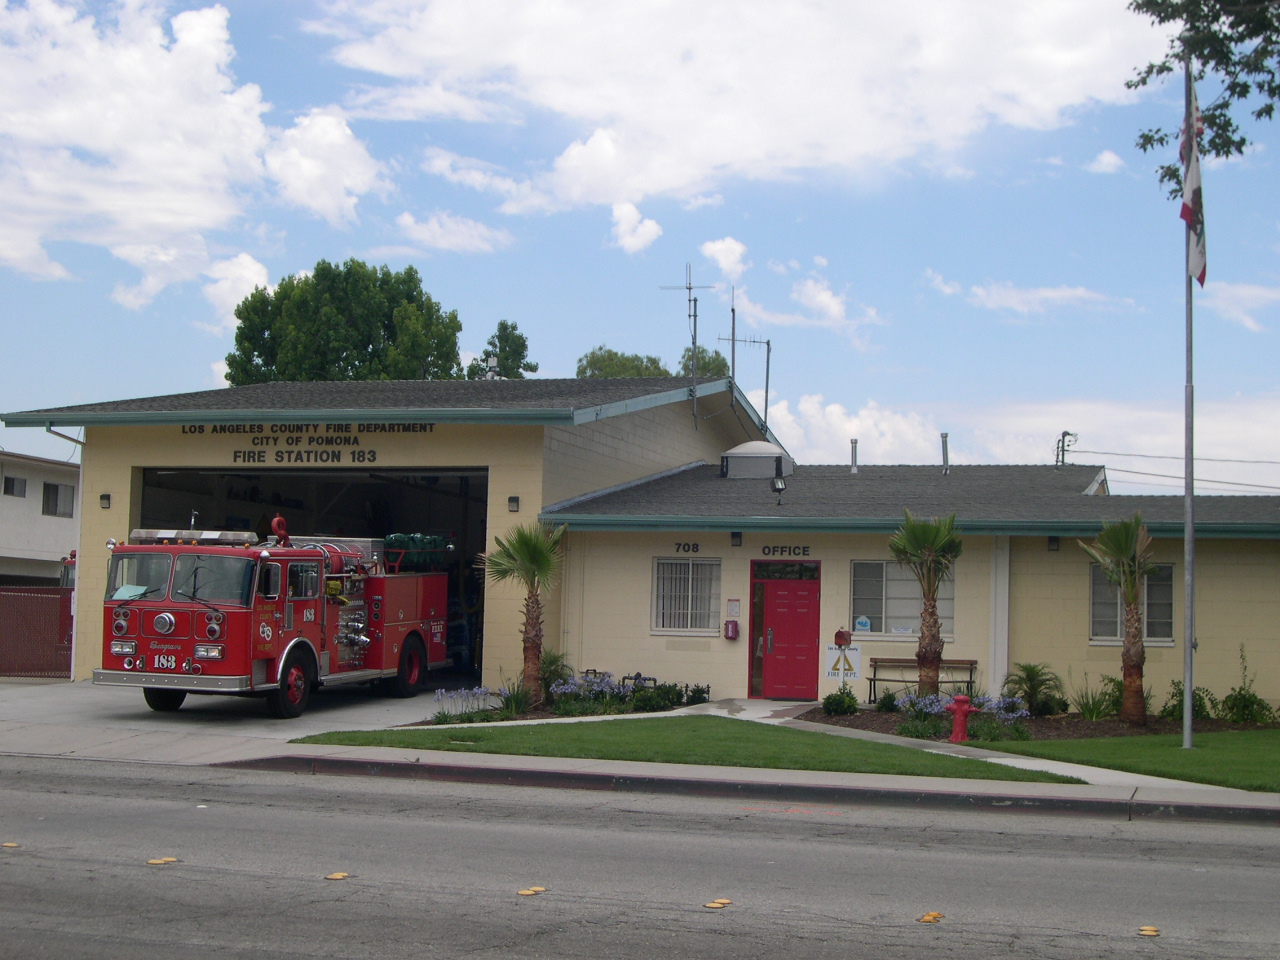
(1190, 132)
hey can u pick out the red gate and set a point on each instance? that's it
(35, 632)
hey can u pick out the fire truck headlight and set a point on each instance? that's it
(212, 631)
(210, 651)
(123, 648)
(120, 627)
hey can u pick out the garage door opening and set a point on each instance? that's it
(349, 503)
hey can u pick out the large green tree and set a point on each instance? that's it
(348, 322)
(603, 362)
(1123, 550)
(511, 347)
(1236, 41)
(712, 364)
(929, 549)
(532, 556)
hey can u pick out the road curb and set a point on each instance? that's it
(755, 790)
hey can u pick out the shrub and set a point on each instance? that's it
(989, 726)
(925, 728)
(698, 693)
(442, 716)
(1093, 704)
(553, 668)
(840, 703)
(514, 700)
(887, 702)
(661, 696)
(1038, 687)
(1203, 703)
(1242, 704)
(922, 708)
(572, 707)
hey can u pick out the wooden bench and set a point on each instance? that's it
(963, 669)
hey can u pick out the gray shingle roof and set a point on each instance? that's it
(985, 499)
(518, 401)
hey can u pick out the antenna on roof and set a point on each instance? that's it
(1065, 443)
(946, 459)
(853, 456)
(688, 288)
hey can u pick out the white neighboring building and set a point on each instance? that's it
(39, 518)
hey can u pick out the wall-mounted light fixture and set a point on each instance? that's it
(1054, 543)
(735, 538)
(104, 501)
(778, 485)
(513, 504)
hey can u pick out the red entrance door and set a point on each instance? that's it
(785, 636)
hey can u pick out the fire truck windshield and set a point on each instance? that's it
(213, 579)
(136, 575)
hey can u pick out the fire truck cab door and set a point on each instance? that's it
(303, 608)
(268, 617)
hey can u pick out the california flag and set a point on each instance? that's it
(1192, 199)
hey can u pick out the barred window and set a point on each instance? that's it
(887, 600)
(1106, 610)
(686, 594)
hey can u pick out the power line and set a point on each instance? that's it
(1155, 456)
(1174, 476)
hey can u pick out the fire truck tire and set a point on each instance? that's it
(163, 701)
(413, 670)
(296, 677)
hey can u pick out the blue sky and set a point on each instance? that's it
(933, 209)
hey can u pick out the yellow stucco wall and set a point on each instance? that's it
(608, 593)
(1237, 601)
(113, 459)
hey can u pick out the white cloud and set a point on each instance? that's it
(1106, 162)
(631, 231)
(727, 253)
(778, 267)
(128, 131)
(219, 368)
(938, 283)
(1239, 302)
(653, 115)
(820, 261)
(444, 231)
(702, 200)
(1023, 300)
(826, 309)
(321, 166)
(1243, 428)
(232, 281)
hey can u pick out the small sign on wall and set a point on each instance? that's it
(844, 663)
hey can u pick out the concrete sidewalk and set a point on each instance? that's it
(80, 721)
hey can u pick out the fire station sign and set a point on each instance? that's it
(844, 663)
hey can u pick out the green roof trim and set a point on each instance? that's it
(796, 525)
(536, 417)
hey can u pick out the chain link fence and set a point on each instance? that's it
(35, 632)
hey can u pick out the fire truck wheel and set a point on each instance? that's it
(413, 670)
(165, 701)
(290, 698)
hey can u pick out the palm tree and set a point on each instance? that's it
(531, 555)
(1123, 550)
(929, 548)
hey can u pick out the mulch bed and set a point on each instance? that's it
(1065, 727)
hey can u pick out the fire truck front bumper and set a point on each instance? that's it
(169, 681)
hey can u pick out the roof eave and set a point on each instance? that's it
(530, 417)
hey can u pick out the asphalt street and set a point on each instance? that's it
(434, 871)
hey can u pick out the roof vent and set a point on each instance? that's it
(756, 459)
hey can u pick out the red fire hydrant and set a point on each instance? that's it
(960, 708)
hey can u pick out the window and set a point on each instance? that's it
(304, 581)
(214, 579)
(138, 576)
(887, 600)
(59, 499)
(15, 487)
(686, 594)
(1106, 611)
(269, 581)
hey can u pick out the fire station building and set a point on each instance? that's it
(697, 550)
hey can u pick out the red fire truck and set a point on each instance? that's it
(218, 612)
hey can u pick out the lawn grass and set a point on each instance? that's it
(716, 741)
(1244, 759)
